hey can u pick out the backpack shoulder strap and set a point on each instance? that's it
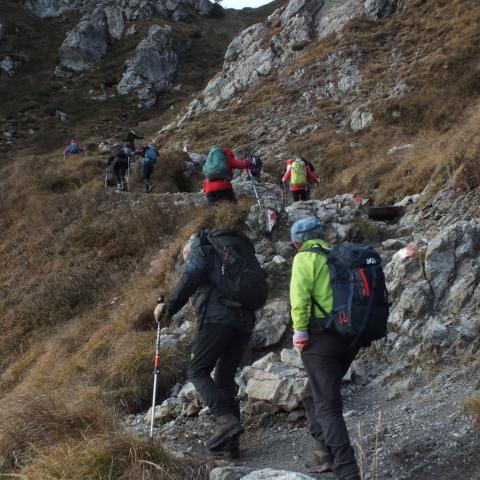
(319, 250)
(324, 252)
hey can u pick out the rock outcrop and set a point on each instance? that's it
(130, 9)
(267, 48)
(152, 69)
(86, 44)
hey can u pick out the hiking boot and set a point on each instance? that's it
(322, 461)
(150, 188)
(228, 426)
(231, 450)
(232, 447)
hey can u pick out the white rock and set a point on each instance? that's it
(272, 322)
(271, 474)
(360, 119)
(291, 356)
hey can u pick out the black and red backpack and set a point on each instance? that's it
(360, 298)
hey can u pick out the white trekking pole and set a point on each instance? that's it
(254, 187)
(156, 370)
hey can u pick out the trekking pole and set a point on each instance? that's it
(156, 370)
(283, 196)
(106, 177)
(254, 187)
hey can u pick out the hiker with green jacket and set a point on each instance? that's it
(325, 355)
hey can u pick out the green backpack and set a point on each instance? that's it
(216, 165)
(299, 174)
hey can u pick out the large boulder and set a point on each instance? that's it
(86, 44)
(272, 322)
(153, 68)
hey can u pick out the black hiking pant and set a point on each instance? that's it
(147, 169)
(221, 347)
(221, 195)
(326, 360)
(119, 169)
(299, 195)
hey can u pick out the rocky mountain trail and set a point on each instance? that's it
(405, 425)
(404, 397)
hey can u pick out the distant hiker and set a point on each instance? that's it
(256, 165)
(74, 148)
(119, 157)
(226, 285)
(149, 156)
(129, 139)
(309, 183)
(299, 174)
(329, 329)
(218, 174)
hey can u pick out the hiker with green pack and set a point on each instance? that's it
(218, 174)
(299, 174)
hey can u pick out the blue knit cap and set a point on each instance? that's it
(309, 228)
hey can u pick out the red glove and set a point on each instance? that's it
(300, 340)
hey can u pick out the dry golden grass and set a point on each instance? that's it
(118, 455)
(472, 406)
(43, 437)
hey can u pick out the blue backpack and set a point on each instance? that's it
(74, 148)
(150, 155)
(360, 298)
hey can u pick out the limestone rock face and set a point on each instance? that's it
(257, 52)
(54, 8)
(130, 9)
(115, 21)
(433, 285)
(153, 67)
(86, 44)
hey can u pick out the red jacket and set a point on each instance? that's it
(232, 162)
(310, 175)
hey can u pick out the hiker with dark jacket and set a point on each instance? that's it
(149, 155)
(218, 174)
(310, 184)
(130, 138)
(224, 327)
(120, 158)
(299, 174)
(326, 356)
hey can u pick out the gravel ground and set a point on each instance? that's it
(406, 424)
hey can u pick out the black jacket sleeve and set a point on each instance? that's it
(195, 273)
(110, 160)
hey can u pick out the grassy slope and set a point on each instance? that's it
(76, 297)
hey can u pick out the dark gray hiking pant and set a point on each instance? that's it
(221, 347)
(326, 360)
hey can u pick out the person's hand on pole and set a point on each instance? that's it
(160, 311)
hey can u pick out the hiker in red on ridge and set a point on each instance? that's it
(218, 174)
(299, 174)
